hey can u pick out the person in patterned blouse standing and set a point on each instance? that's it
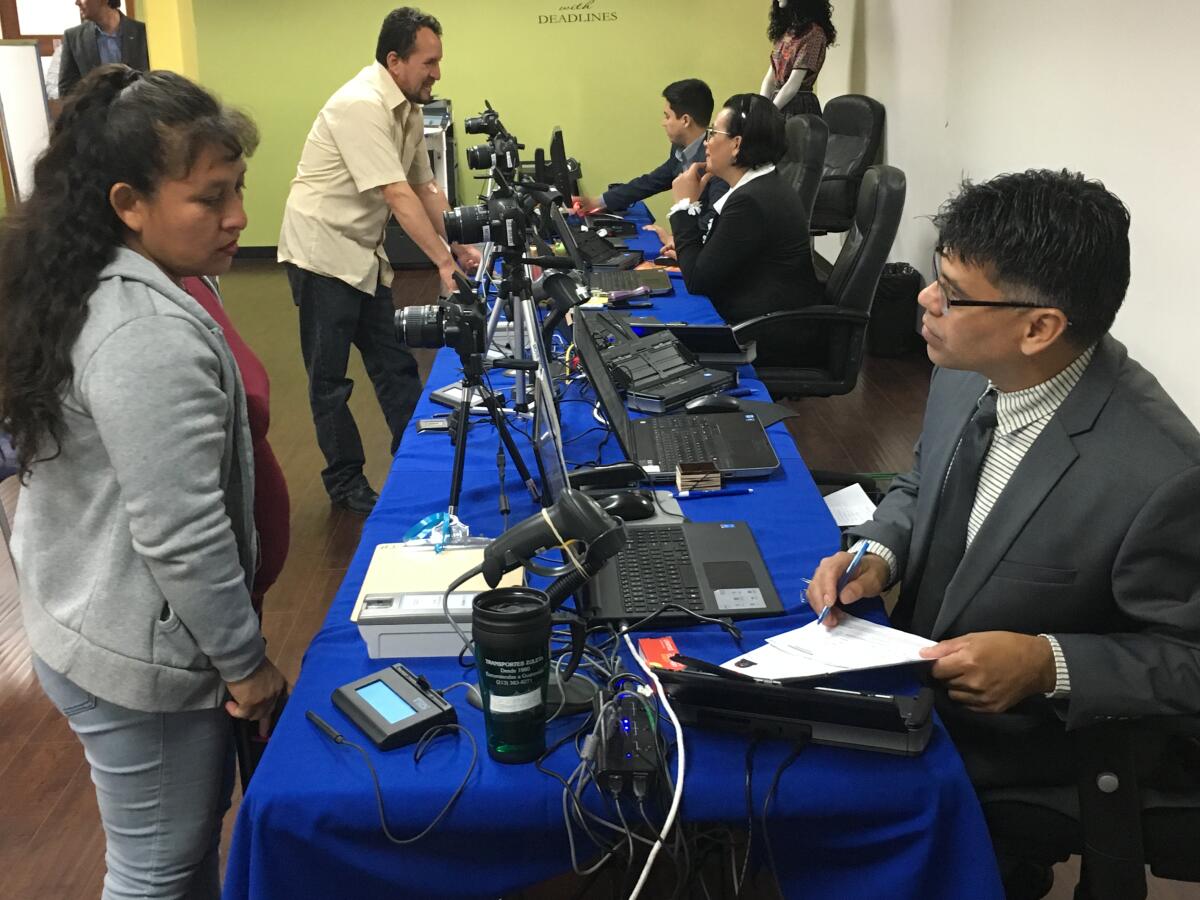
(799, 31)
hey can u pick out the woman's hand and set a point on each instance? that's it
(254, 698)
(664, 237)
(690, 183)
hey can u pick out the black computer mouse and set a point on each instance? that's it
(713, 403)
(629, 505)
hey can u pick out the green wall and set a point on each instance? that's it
(599, 80)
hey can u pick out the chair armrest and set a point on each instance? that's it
(819, 313)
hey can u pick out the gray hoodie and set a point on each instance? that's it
(135, 546)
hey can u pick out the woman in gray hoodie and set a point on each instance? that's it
(134, 541)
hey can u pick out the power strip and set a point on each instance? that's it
(628, 752)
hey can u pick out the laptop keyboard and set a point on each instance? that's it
(683, 439)
(654, 569)
(619, 280)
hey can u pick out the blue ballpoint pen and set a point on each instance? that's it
(719, 492)
(844, 580)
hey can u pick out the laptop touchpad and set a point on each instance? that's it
(734, 585)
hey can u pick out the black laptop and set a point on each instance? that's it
(602, 253)
(734, 441)
(710, 568)
(586, 249)
(656, 281)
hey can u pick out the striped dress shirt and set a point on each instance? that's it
(1020, 417)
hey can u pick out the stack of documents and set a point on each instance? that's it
(815, 651)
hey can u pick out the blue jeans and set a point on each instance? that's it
(163, 782)
(333, 316)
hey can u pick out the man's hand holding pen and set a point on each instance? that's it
(828, 588)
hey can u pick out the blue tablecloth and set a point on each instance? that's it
(844, 823)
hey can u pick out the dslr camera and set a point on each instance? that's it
(462, 327)
(501, 154)
(499, 219)
(487, 122)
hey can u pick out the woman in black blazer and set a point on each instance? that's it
(756, 257)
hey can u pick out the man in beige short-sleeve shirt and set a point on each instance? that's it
(364, 159)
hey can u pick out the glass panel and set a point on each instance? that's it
(48, 16)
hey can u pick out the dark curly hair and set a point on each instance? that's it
(797, 15)
(117, 126)
(1050, 237)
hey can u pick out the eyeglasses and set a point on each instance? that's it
(710, 131)
(949, 302)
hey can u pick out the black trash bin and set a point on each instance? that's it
(891, 332)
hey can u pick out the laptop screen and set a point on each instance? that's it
(697, 338)
(568, 238)
(597, 373)
(547, 432)
(560, 171)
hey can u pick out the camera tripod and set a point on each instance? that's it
(473, 368)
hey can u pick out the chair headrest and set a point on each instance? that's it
(807, 136)
(857, 115)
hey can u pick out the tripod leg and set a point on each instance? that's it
(513, 452)
(460, 446)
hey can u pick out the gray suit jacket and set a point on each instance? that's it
(80, 54)
(1096, 539)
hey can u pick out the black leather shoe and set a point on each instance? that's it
(359, 500)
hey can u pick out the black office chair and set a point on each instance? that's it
(833, 334)
(855, 138)
(804, 163)
(1115, 824)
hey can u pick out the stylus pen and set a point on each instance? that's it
(719, 492)
(844, 580)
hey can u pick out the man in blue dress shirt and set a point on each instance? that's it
(104, 36)
(687, 110)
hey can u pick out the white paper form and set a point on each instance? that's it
(815, 650)
(853, 644)
(770, 663)
(850, 506)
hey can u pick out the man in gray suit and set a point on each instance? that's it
(1047, 536)
(104, 36)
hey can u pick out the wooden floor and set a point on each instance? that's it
(51, 846)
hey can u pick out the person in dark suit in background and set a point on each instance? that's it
(1046, 536)
(106, 35)
(756, 257)
(687, 110)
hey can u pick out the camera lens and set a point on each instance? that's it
(480, 157)
(466, 224)
(421, 326)
(477, 124)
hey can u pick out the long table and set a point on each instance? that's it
(843, 823)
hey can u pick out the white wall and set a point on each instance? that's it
(974, 88)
